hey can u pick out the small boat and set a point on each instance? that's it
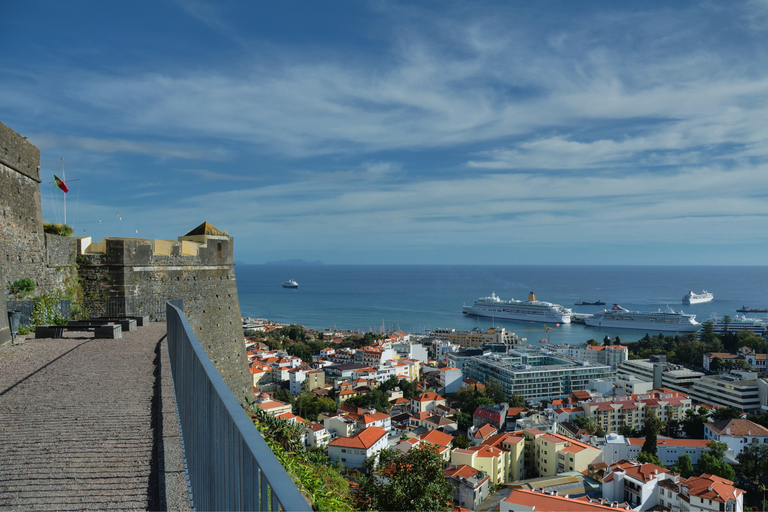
(585, 303)
(290, 284)
(745, 309)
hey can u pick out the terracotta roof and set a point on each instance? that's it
(484, 431)
(437, 437)
(427, 397)
(712, 487)
(739, 427)
(639, 441)
(486, 451)
(541, 502)
(462, 471)
(363, 439)
(645, 472)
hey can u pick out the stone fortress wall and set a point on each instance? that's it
(198, 267)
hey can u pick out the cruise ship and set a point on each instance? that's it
(528, 310)
(651, 321)
(739, 323)
(697, 298)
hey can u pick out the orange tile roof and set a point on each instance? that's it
(462, 471)
(645, 472)
(363, 439)
(437, 437)
(541, 502)
(739, 427)
(484, 431)
(427, 397)
(712, 487)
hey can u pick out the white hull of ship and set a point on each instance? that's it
(641, 325)
(544, 316)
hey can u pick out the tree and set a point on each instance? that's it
(684, 466)
(462, 442)
(713, 462)
(753, 462)
(626, 431)
(726, 413)
(716, 365)
(516, 400)
(651, 429)
(588, 424)
(413, 480)
(644, 458)
(494, 391)
(693, 423)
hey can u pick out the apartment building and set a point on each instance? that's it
(477, 338)
(611, 355)
(662, 374)
(617, 448)
(737, 389)
(353, 451)
(612, 414)
(535, 374)
(551, 454)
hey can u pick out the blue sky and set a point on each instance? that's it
(397, 132)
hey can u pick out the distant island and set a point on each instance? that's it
(294, 262)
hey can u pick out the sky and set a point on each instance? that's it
(387, 132)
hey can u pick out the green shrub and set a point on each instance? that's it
(58, 229)
(21, 288)
(47, 310)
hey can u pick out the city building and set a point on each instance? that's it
(611, 355)
(477, 338)
(737, 389)
(353, 451)
(551, 454)
(524, 500)
(630, 411)
(535, 374)
(617, 448)
(489, 459)
(756, 361)
(736, 433)
(710, 493)
(637, 484)
(426, 402)
(662, 374)
(451, 379)
(470, 486)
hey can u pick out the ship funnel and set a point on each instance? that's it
(531, 296)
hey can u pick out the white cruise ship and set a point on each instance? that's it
(651, 321)
(697, 298)
(739, 323)
(530, 310)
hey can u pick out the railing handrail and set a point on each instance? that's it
(229, 465)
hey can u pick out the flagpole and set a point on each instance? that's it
(64, 176)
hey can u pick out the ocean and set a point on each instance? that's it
(419, 298)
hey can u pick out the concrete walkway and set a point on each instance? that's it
(89, 424)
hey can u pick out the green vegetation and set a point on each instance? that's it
(692, 347)
(47, 310)
(713, 462)
(312, 471)
(22, 288)
(405, 481)
(58, 229)
(651, 428)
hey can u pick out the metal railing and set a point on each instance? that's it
(28, 306)
(154, 307)
(229, 465)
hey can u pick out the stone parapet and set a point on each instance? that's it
(19, 154)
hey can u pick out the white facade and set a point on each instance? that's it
(738, 389)
(352, 452)
(450, 379)
(618, 448)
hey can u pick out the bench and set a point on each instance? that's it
(141, 320)
(128, 324)
(111, 331)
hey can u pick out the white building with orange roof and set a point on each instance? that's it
(485, 458)
(479, 434)
(710, 493)
(470, 486)
(317, 436)
(426, 402)
(450, 379)
(272, 407)
(630, 411)
(736, 433)
(373, 356)
(618, 448)
(523, 500)
(443, 442)
(353, 451)
(339, 425)
(260, 374)
(636, 484)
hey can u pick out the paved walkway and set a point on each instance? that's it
(85, 424)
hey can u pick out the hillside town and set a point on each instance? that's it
(520, 427)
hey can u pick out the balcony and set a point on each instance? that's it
(92, 424)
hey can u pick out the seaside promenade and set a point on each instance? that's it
(90, 424)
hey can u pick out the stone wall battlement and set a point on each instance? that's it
(195, 250)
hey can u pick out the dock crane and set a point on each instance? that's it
(548, 328)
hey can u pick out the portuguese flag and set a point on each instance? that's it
(60, 184)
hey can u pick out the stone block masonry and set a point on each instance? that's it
(198, 269)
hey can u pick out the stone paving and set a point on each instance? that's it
(82, 424)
